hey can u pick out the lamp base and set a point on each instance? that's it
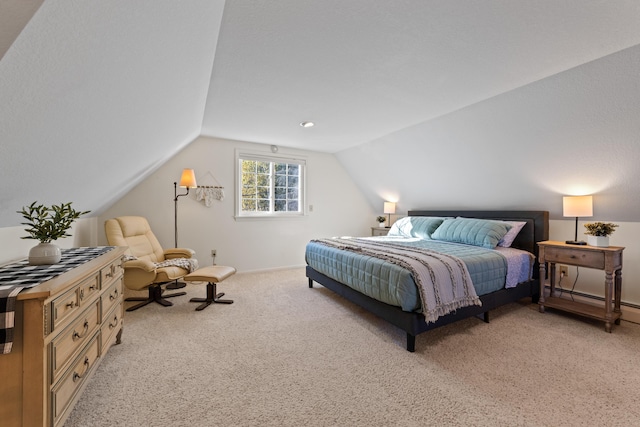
(573, 242)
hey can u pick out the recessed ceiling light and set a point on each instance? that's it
(307, 124)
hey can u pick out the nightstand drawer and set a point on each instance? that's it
(379, 231)
(581, 258)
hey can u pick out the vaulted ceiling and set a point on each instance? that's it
(96, 95)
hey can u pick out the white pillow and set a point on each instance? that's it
(508, 238)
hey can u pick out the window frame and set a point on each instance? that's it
(241, 155)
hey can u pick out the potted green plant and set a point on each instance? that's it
(598, 233)
(381, 220)
(46, 224)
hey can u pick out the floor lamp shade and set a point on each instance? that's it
(577, 206)
(188, 179)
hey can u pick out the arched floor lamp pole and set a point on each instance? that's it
(187, 180)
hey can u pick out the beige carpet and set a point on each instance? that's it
(287, 355)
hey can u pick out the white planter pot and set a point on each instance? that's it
(44, 254)
(381, 224)
(600, 241)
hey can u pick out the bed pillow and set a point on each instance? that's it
(470, 231)
(415, 226)
(508, 238)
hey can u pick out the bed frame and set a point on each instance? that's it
(535, 230)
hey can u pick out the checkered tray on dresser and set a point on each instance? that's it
(20, 275)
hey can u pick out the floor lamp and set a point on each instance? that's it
(187, 180)
(577, 206)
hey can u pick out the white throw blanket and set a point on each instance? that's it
(189, 264)
(443, 280)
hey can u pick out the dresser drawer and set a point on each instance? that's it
(63, 393)
(110, 298)
(582, 258)
(64, 307)
(88, 289)
(71, 339)
(111, 272)
(111, 326)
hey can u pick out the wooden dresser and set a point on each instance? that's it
(63, 328)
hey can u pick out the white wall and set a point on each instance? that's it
(338, 209)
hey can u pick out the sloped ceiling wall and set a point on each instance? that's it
(96, 95)
(574, 133)
(14, 15)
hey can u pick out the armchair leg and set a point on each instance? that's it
(155, 295)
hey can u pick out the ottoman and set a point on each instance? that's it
(213, 275)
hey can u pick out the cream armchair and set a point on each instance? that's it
(141, 273)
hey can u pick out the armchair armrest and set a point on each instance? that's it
(138, 274)
(179, 253)
(141, 264)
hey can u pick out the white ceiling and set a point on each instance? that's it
(122, 86)
(362, 69)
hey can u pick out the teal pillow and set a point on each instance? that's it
(415, 226)
(470, 231)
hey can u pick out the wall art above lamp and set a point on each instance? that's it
(577, 206)
(389, 208)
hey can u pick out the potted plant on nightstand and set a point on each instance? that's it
(598, 233)
(381, 220)
(47, 224)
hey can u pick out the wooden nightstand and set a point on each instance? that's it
(607, 259)
(379, 231)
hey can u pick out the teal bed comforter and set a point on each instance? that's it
(393, 284)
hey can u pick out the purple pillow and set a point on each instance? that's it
(508, 238)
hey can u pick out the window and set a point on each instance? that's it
(269, 186)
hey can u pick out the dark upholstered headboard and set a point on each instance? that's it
(536, 229)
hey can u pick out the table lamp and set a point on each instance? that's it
(578, 206)
(389, 208)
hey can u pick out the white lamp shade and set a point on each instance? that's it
(389, 207)
(578, 206)
(188, 179)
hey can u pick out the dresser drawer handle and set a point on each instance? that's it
(77, 336)
(81, 294)
(114, 295)
(112, 271)
(71, 304)
(115, 322)
(77, 376)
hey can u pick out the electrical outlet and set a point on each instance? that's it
(214, 253)
(564, 271)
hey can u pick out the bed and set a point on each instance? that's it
(368, 289)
